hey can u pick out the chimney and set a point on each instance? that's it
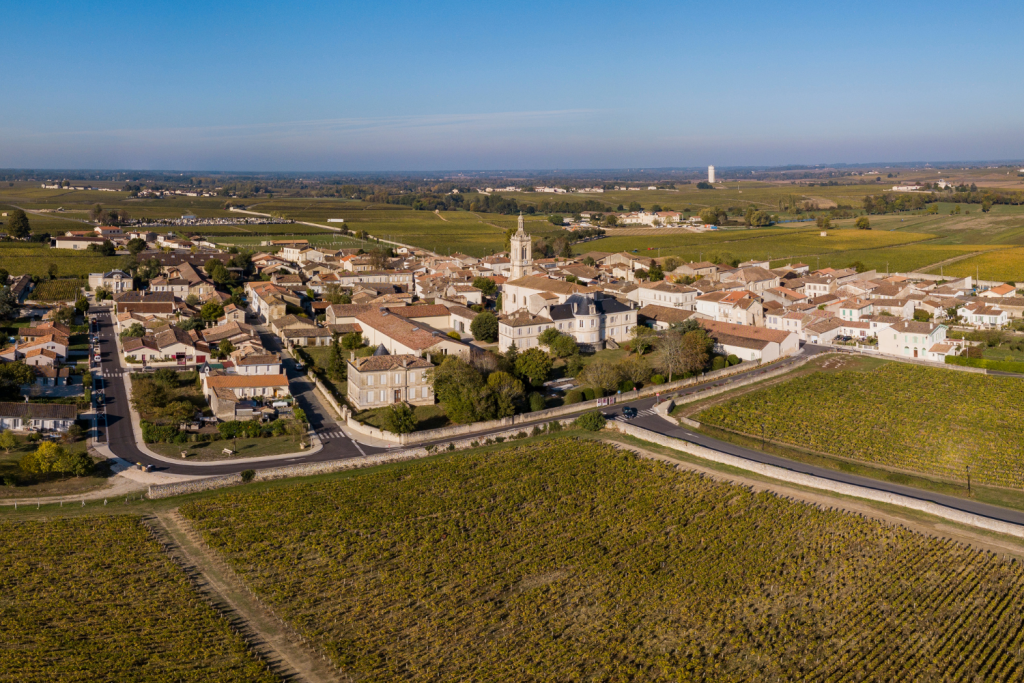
(352, 355)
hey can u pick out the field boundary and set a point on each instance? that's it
(822, 484)
(282, 655)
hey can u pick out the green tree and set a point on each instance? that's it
(177, 412)
(564, 346)
(352, 341)
(8, 302)
(336, 369)
(81, 304)
(15, 375)
(211, 311)
(643, 339)
(192, 300)
(548, 336)
(51, 270)
(556, 219)
(136, 246)
(399, 419)
(824, 222)
(462, 391)
(485, 285)
(133, 330)
(65, 315)
(534, 365)
(300, 416)
(485, 327)
(696, 350)
(635, 206)
(594, 421)
(8, 441)
(17, 225)
(103, 294)
(148, 396)
(600, 373)
(225, 348)
(508, 391)
(166, 377)
(862, 223)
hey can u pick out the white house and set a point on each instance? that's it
(913, 339)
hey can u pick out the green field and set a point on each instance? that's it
(574, 561)
(35, 259)
(900, 416)
(945, 236)
(58, 290)
(96, 598)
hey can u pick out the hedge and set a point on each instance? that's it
(987, 363)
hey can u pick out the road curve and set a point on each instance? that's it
(122, 438)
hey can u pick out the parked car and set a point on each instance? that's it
(97, 358)
(629, 412)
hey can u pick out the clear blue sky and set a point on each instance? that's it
(347, 86)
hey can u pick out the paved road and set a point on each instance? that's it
(337, 446)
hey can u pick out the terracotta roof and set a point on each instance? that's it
(665, 314)
(544, 284)
(423, 311)
(408, 333)
(749, 332)
(521, 318)
(258, 360)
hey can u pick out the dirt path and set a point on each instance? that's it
(438, 214)
(275, 641)
(936, 528)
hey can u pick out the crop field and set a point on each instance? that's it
(92, 599)
(900, 416)
(571, 560)
(35, 259)
(1006, 265)
(777, 244)
(57, 290)
(898, 259)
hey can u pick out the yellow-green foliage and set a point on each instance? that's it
(574, 561)
(922, 419)
(1005, 265)
(96, 599)
(57, 290)
(35, 259)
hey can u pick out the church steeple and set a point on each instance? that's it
(521, 251)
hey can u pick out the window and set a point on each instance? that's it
(412, 392)
(581, 323)
(369, 380)
(383, 379)
(398, 378)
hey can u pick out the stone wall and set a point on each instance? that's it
(326, 467)
(541, 415)
(821, 483)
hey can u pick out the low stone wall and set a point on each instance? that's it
(326, 393)
(821, 483)
(541, 415)
(326, 467)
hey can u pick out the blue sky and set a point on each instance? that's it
(345, 86)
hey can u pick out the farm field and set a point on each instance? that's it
(58, 290)
(1006, 265)
(95, 598)
(572, 560)
(898, 259)
(35, 259)
(939, 422)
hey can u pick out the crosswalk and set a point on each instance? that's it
(112, 373)
(330, 433)
(640, 413)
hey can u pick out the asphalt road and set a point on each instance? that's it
(337, 446)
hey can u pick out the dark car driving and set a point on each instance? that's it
(629, 412)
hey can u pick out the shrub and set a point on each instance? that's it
(598, 392)
(521, 435)
(593, 421)
(574, 396)
(536, 402)
(248, 475)
(588, 394)
(625, 385)
(537, 431)
(733, 359)
(718, 363)
(657, 379)
(10, 480)
(555, 426)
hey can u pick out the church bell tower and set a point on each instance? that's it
(521, 252)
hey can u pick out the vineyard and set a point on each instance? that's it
(57, 290)
(95, 599)
(574, 561)
(901, 416)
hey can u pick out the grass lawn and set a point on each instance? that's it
(31, 485)
(427, 417)
(213, 450)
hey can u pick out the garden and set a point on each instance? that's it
(571, 560)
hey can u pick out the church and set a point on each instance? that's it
(532, 303)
